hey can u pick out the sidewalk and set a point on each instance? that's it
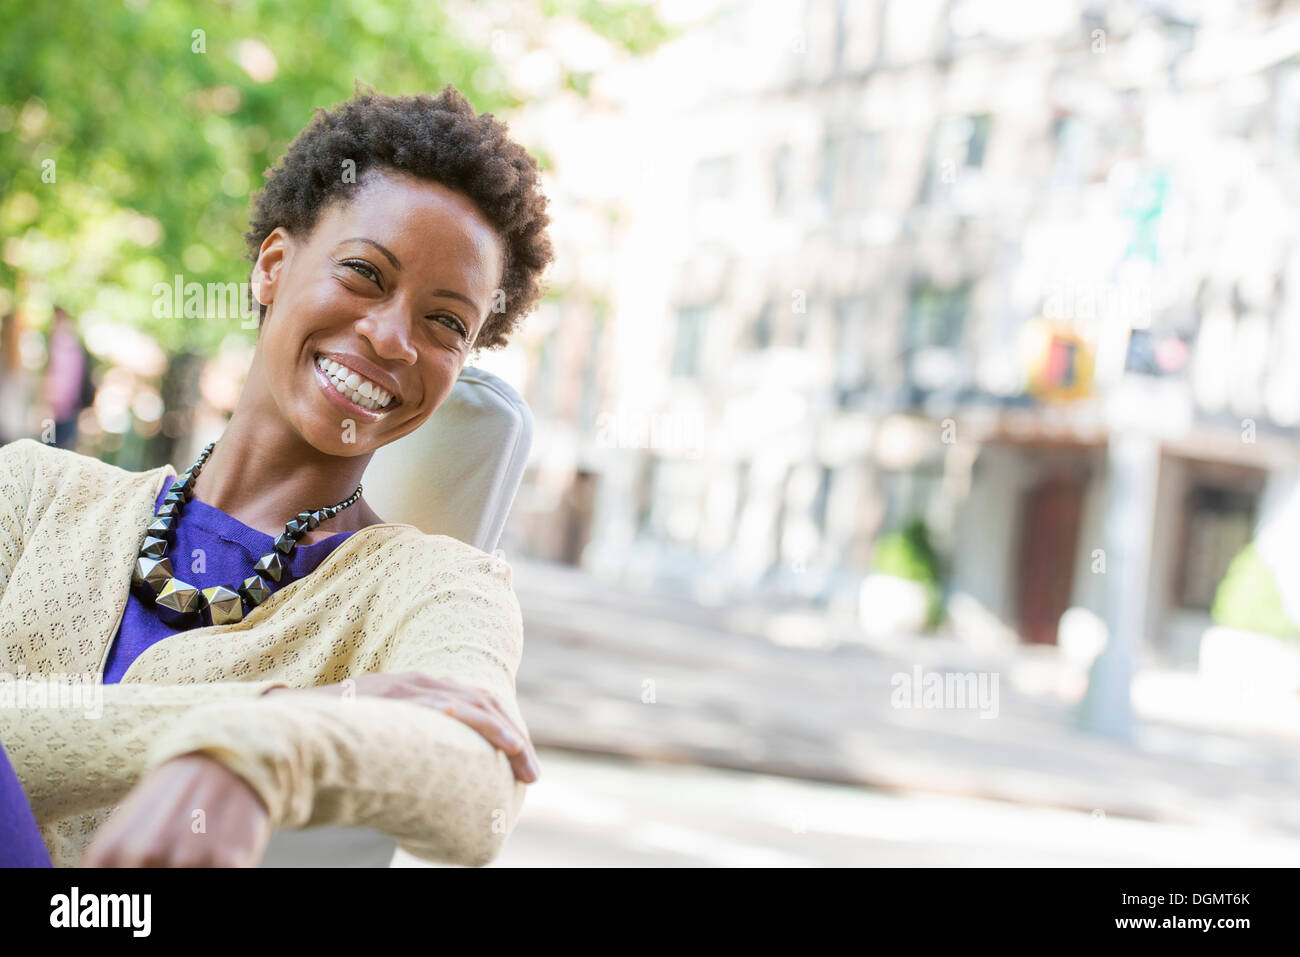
(602, 811)
(609, 671)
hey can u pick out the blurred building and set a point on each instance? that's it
(1028, 271)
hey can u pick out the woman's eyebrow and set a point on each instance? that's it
(450, 294)
(380, 246)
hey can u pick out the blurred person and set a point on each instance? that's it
(68, 387)
(13, 380)
(274, 652)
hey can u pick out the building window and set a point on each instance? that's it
(957, 153)
(591, 370)
(848, 168)
(1219, 523)
(822, 499)
(935, 317)
(645, 493)
(932, 337)
(1075, 140)
(909, 494)
(850, 346)
(763, 328)
(688, 346)
(781, 178)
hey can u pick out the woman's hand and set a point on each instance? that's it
(476, 707)
(190, 811)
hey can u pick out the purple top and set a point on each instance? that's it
(230, 549)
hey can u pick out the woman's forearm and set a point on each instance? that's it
(72, 760)
(432, 783)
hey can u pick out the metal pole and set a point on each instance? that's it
(1133, 465)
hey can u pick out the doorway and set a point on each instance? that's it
(1048, 539)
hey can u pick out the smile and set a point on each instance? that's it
(354, 387)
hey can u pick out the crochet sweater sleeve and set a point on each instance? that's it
(71, 760)
(435, 785)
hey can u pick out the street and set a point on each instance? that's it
(601, 811)
(667, 737)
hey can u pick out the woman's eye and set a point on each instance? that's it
(451, 322)
(364, 268)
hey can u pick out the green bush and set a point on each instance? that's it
(1248, 598)
(907, 553)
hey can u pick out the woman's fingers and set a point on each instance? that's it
(476, 707)
(516, 731)
(491, 726)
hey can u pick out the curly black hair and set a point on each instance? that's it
(439, 138)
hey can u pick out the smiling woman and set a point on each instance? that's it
(397, 235)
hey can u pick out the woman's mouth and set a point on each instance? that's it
(343, 385)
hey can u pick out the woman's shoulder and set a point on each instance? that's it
(48, 460)
(433, 557)
(44, 474)
(434, 545)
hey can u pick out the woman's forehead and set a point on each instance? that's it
(402, 210)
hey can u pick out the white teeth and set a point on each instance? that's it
(358, 389)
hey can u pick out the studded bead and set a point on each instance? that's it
(255, 590)
(221, 606)
(271, 565)
(169, 510)
(286, 543)
(153, 547)
(295, 528)
(178, 602)
(153, 572)
(161, 528)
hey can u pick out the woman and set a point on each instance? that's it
(272, 653)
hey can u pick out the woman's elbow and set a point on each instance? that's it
(501, 822)
(480, 834)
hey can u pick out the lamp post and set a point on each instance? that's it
(1133, 465)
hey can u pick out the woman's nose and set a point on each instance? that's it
(388, 329)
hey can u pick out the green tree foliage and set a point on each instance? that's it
(133, 134)
(908, 553)
(1248, 598)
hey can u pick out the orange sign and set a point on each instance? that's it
(1058, 361)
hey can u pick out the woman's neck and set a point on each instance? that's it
(264, 474)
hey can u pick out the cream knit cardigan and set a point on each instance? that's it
(388, 599)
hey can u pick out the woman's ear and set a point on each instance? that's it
(267, 269)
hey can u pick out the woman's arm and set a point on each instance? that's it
(431, 782)
(75, 759)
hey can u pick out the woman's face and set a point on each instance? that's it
(394, 284)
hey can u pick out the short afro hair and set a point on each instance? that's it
(439, 138)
